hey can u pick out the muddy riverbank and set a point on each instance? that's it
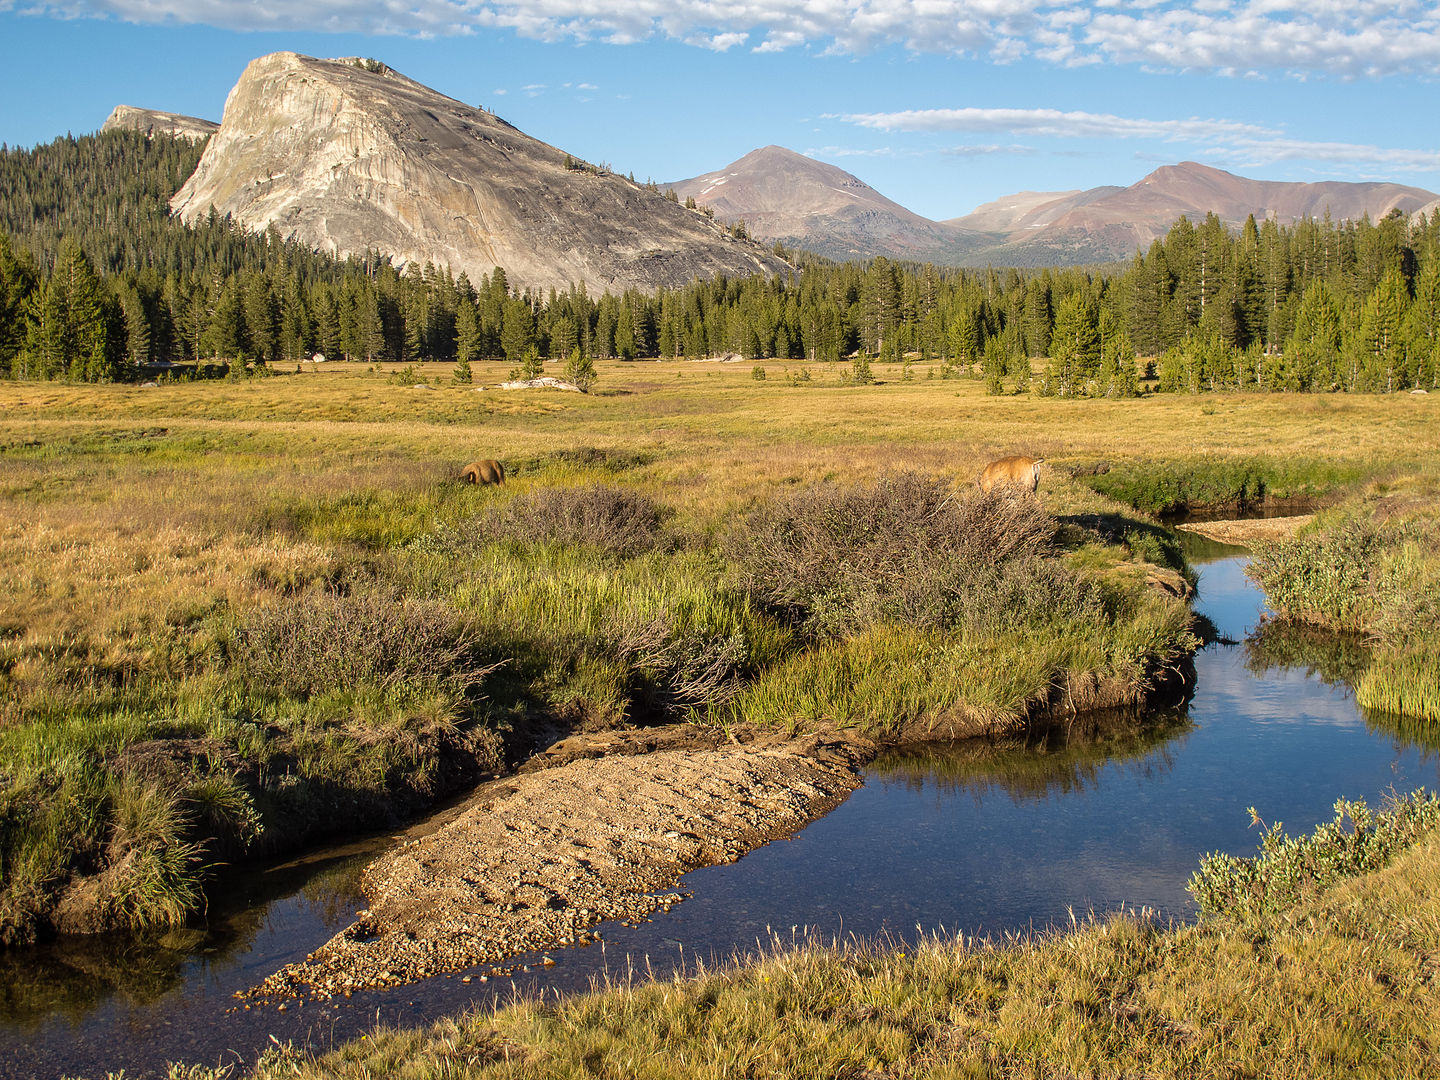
(537, 860)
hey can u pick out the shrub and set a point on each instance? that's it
(758, 373)
(1322, 578)
(682, 668)
(833, 560)
(311, 644)
(1289, 869)
(615, 520)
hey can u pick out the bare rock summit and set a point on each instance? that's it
(348, 155)
(152, 122)
(785, 196)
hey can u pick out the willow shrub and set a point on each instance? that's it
(1291, 869)
(833, 560)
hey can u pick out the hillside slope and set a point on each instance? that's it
(785, 196)
(349, 155)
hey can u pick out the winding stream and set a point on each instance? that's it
(979, 838)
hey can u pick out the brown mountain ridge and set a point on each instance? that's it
(785, 196)
(1120, 220)
(804, 203)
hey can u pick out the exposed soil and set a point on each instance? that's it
(1244, 532)
(595, 828)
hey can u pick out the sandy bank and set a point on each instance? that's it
(1245, 532)
(537, 860)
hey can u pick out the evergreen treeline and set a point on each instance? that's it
(100, 280)
(1313, 306)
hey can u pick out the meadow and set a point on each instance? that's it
(239, 615)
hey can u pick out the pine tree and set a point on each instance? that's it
(137, 326)
(17, 282)
(1382, 339)
(1312, 352)
(73, 323)
(517, 333)
(580, 370)
(1075, 346)
(225, 335)
(262, 319)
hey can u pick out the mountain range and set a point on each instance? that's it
(803, 203)
(348, 155)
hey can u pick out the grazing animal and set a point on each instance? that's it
(1019, 472)
(488, 471)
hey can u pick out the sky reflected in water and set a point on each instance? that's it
(981, 838)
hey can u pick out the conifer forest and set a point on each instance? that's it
(98, 282)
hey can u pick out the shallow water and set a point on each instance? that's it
(979, 838)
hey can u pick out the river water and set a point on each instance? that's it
(979, 838)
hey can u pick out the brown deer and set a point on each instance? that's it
(488, 471)
(1019, 472)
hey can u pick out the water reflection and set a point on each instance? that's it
(1334, 659)
(984, 837)
(1337, 660)
(1061, 759)
(250, 926)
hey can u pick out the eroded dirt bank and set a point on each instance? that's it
(537, 860)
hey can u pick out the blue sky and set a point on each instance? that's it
(939, 104)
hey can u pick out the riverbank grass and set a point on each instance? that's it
(1335, 981)
(276, 591)
(1371, 566)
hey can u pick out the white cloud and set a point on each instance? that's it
(1214, 139)
(1256, 152)
(1358, 38)
(846, 151)
(1051, 122)
(986, 149)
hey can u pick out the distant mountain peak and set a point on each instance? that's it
(787, 196)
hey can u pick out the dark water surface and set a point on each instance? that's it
(979, 838)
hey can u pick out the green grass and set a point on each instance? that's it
(1167, 486)
(159, 548)
(1336, 982)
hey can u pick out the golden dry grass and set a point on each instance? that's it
(1342, 986)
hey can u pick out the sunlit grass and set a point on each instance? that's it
(1337, 985)
(144, 532)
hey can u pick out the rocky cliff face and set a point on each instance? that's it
(349, 156)
(151, 122)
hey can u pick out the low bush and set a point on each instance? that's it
(1322, 577)
(613, 520)
(312, 644)
(833, 560)
(1291, 869)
